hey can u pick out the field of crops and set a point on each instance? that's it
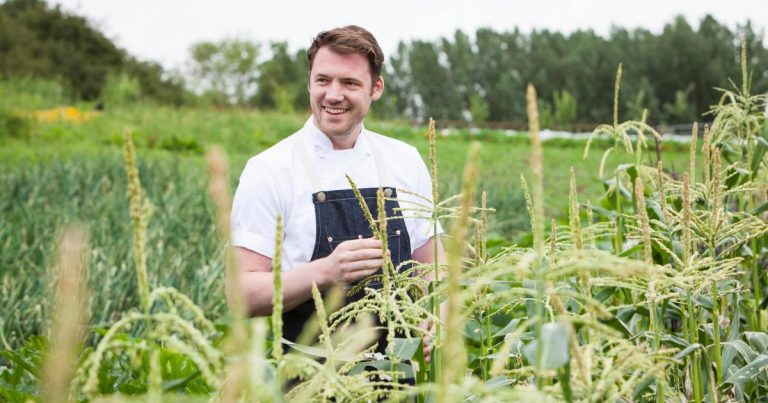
(637, 273)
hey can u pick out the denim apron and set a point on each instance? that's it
(339, 218)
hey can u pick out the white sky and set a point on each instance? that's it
(164, 30)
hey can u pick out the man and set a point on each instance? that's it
(327, 240)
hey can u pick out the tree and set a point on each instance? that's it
(43, 42)
(565, 108)
(282, 80)
(461, 67)
(226, 70)
(438, 93)
(499, 78)
(39, 41)
(399, 97)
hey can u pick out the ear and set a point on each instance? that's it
(378, 88)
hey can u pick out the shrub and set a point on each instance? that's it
(13, 125)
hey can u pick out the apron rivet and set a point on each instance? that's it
(359, 237)
(387, 192)
(397, 232)
(321, 196)
(330, 239)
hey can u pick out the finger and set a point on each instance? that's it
(366, 264)
(357, 275)
(365, 243)
(362, 254)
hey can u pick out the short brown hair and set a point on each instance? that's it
(350, 39)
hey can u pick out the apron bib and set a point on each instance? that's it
(339, 218)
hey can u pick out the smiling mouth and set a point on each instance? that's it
(334, 111)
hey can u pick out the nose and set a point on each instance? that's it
(334, 92)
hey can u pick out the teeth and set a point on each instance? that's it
(334, 111)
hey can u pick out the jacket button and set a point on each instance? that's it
(387, 192)
(321, 196)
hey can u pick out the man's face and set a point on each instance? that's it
(340, 93)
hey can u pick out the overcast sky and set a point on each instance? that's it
(163, 30)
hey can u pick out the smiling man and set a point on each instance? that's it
(326, 238)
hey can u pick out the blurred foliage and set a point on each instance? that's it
(225, 70)
(37, 40)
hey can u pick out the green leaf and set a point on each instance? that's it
(405, 348)
(602, 212)
(760, 210)
(179, 383)
(605, 293)
(738, 176)
(757, 157)
(317, 352)
(619, 325)
(554, 343)
(742, 348)
(745, 374)
(687, 351)
(759, 340)
(630, 251)
(498, 382)
(509, 328)
(421, 375)
(656, 208)
(474, 331)
(383, 365)
(674, 341)
(729, 352)
(642, 387)
(631, 169)
(704, 302)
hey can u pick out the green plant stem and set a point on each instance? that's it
(435, 301)
(539, 322)
(488, 347)
(656, 323)
(619, 239)
(716, 334)
(754, 263)
(695, 358)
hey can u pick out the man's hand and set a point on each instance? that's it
(353, 260)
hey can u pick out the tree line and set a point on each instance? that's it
(482, 78)
(467, 77)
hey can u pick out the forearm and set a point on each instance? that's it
(349, 262)
(258, 287)
(426, 254)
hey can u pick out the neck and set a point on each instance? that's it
(344, 141)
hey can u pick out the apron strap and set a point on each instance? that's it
(380, 168)
(309, 167)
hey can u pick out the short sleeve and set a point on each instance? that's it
(255, 207)
(425, 229)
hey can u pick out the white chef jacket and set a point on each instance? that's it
(276, 181)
